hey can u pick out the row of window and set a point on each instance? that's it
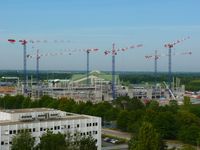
(90, 124)
(87, 133)
(5, 143)
(20, 131)
(44, 129)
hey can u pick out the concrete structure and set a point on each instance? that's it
(39, 120)
(99, 88)
(146, 91)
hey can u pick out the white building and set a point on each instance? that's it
(39, 120)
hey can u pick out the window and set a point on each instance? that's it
(77, 125)
(58, 127)
(89, 124)
(10, 131)
(33, 129)
(51, 128)
(29, 130)
(10, 142)
(14, 131)
(2, 142)
(68, 126)
(41, 129)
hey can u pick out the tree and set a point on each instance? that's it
(23, 141)
(154, 105)
(185, 118)
(173, 106)
(59, 141)
(147, 139)
(186, 103)
(51, 141)
(187, 147)
(87, 143)
(189, 134)
(165, 123)
(122, 120)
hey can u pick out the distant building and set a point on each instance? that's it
(38, 120)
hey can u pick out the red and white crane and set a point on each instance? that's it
(170, 46)
(24, 43)
(66, 51)
(114, 52)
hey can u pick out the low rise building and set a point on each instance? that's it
(38, 120)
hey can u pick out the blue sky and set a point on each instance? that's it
(99, 23)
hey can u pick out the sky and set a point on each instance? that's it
(97, 24)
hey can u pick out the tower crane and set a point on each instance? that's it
(170, 46)
(114, 52)
(156, 56)
(24, 43)
(88, 61)
(59, 53)
(38, 57)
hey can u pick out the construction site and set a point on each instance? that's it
(94, 86)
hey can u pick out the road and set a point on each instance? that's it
(115, 133)
(116, 147)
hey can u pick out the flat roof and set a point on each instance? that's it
(27, 110)
(73, 117)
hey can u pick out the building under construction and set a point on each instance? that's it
(97, 87)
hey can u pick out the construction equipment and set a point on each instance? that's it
(114, 52)
(156, 56)
(38, 57)
(24, 43)
(170, 46)
(87, 70)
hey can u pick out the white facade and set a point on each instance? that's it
(39, 120)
